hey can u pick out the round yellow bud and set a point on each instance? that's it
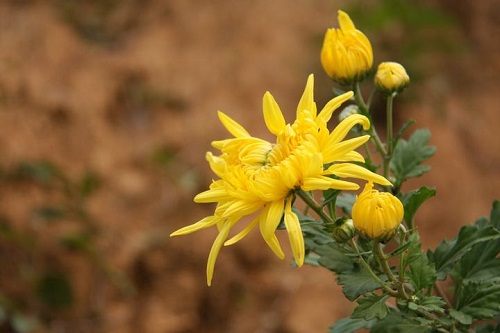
(391, 77)
(377, 215)
(347, 54)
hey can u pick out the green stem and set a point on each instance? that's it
(309, 200)
(390, 143)
(384, 286)
(363, 108)
(382, 260)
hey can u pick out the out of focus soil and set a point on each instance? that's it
(129, 91)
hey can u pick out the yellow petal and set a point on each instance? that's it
(212, 195)
(272, 114)
(343, 128)
(232, 126)
(292, 225)
(327, 111)
(345, 21)
(214, 251)
(347, 170)
(242, 233)
(271, 217)
(307, 100)
(325, 183)
(274, 245)
(339, 151)
(203, 223)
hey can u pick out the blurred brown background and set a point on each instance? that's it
(108, 107)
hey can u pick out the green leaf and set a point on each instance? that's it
(449, 252)
(349, 325)
(357, 282)
(371, 307)
(431, 304)
(495, 214)
(479, 300)
(409, 154)
(345, 202)
(335, 258)
(413, 200)
(461, 317)
(395, 323)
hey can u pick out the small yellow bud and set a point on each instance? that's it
(391, 77)
(347, 54)
(377, 215)
(343, 230)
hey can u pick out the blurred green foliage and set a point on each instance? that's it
(36, 285)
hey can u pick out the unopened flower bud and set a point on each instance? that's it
(377, 215)
(347, 54)
(348, 111)
(391, 77)
(343, 230)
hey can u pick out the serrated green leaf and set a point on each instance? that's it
(449, 252)
(479, 300)
(371, 307)
(345, 202)
(395, 323)
(460, 317)
(335, 258)
(432, 304)
(421, 273)
(495, 214)
(413, 200)
(349, 325)
(408, 155)
(357, 282)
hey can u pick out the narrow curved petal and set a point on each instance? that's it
(203, 223)
(307, 100)
(212, 195)
(275, 246)
(327, 111)
(236, 238)
(232, 126)
(214, 251)
(271, 217)
(273, 116)
(338, 151)
(325, 183)
(348, 170)
(343, 128)
(345, 21)
(292, 225)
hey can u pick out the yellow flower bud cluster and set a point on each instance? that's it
(391, 77)
(347, 57)
(377, 215)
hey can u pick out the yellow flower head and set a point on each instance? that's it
(257, 178)
(377, 215)
(347, 54)
(391, 77)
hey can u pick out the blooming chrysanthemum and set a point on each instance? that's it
(257, 178)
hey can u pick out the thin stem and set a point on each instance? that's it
(384, 286)
(363, 107)
(382, 260)
(389, 130)
(309, 200)
(401, 270)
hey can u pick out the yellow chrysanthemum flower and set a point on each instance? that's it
(347, 54)
(377, 215)
(257, 178)
(391, 77)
